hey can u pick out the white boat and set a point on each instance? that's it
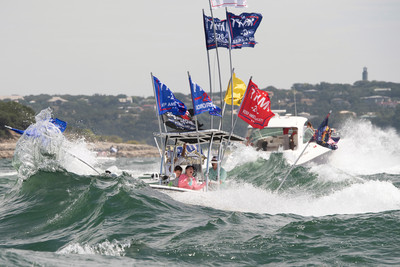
(288, 135)
(204, 140)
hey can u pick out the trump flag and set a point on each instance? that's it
(221, 32)
(256, 107)
(202, 102)
(243, 28)
(166, 101)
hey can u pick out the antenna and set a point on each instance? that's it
(295, 106)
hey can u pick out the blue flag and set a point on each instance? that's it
(166, 101)
(220, 30)
(323, 135)
(202, 102)
(242, 29)
(61, 125)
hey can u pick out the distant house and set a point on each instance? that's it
(347, 113)
(382, 89)
(368, 115)
(389, 104)
(147, 106)
(311, 91)
(125, 100)
(14, 98)
(56, 100)
(375, 99)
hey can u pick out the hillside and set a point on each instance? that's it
(133, 119)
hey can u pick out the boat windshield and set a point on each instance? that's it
(308, 133)
(273, 139)
(256, 134)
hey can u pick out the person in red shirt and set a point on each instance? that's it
(188, 181)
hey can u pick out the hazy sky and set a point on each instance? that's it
(110, 47)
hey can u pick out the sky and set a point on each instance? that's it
(111, 46)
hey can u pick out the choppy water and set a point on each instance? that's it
(344, 212)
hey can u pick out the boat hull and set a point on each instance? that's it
(313, 152)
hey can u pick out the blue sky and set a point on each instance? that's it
(110, 47)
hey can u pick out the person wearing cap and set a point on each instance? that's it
(213, 172)
(188, 181)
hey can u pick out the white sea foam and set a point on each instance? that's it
(114, 248)
(367, 149)
(363, 150)
(78, 158)
(8, 173)
(242, 154)
(371, 196)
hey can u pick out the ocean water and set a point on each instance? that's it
(344, 212)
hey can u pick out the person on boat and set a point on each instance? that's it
(188, 181)
(213, 172)
(309, 125)
(293, 139)
(178, 160)
(177, 171)
(180, 157)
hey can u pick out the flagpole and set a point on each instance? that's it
(155, 97)
(219, 68)
(231, 85)
(230, 61)
(195, 118)
(159, 126)
(209, 68)
(294, 164)
(233, 127)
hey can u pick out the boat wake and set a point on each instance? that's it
(372, 196)
(367, 149)
(354, 180)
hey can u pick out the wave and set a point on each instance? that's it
(367, 149)
(70, 213)
(372, 196)
(356, 178)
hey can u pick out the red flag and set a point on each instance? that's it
(256, 107)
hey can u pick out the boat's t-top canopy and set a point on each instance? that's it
(286, 122)
(201, 137)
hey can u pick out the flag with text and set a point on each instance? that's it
(220, 31)
(242, 29)
(202, 102)
(166, 100)
(256, 107)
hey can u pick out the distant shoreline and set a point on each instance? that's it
(7, 148)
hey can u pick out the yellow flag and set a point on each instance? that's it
(239, 88)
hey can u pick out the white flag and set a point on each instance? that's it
(221, 3)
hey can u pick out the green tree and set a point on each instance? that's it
(15, 115)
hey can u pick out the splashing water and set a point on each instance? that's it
(351, 181)
(44, 147)
(367, 149)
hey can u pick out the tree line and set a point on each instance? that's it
(133, 119)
